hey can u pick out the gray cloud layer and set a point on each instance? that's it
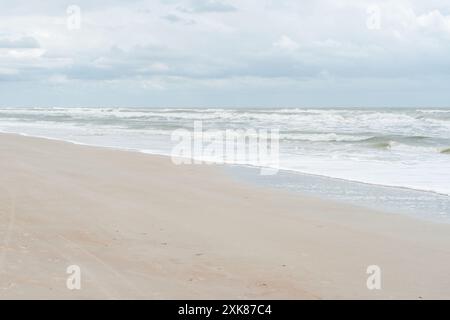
(21, 43)
(222, 52)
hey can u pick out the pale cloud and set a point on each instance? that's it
(435, 21)
(217, 52)
(286, 43)
(8, 71)
(58, 79)
(204, 6)
(22, 43)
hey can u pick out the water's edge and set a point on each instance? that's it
(425, 205)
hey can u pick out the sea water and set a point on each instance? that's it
(397, 158)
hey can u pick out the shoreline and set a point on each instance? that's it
(380, 198)
(288, 170)
(141, 227)
(403, 209)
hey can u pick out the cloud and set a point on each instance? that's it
(8, 71)
(203, 6)
(173, 18)
(435, 21)
(20, 43)
(286, 43)
(58, 79)
(235, 46)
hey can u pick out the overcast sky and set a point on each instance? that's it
(187, 53)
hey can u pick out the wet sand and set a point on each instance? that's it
(141, 227)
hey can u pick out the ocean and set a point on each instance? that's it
(395, 149)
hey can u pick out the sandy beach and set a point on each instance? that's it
(140, 227)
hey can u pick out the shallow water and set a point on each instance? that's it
(420, 204)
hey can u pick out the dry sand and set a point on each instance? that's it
(141, 227)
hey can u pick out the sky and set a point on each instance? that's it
(225, 53)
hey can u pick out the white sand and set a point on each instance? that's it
(140, 227)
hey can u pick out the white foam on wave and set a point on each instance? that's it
(324, 137)
(326, 142)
